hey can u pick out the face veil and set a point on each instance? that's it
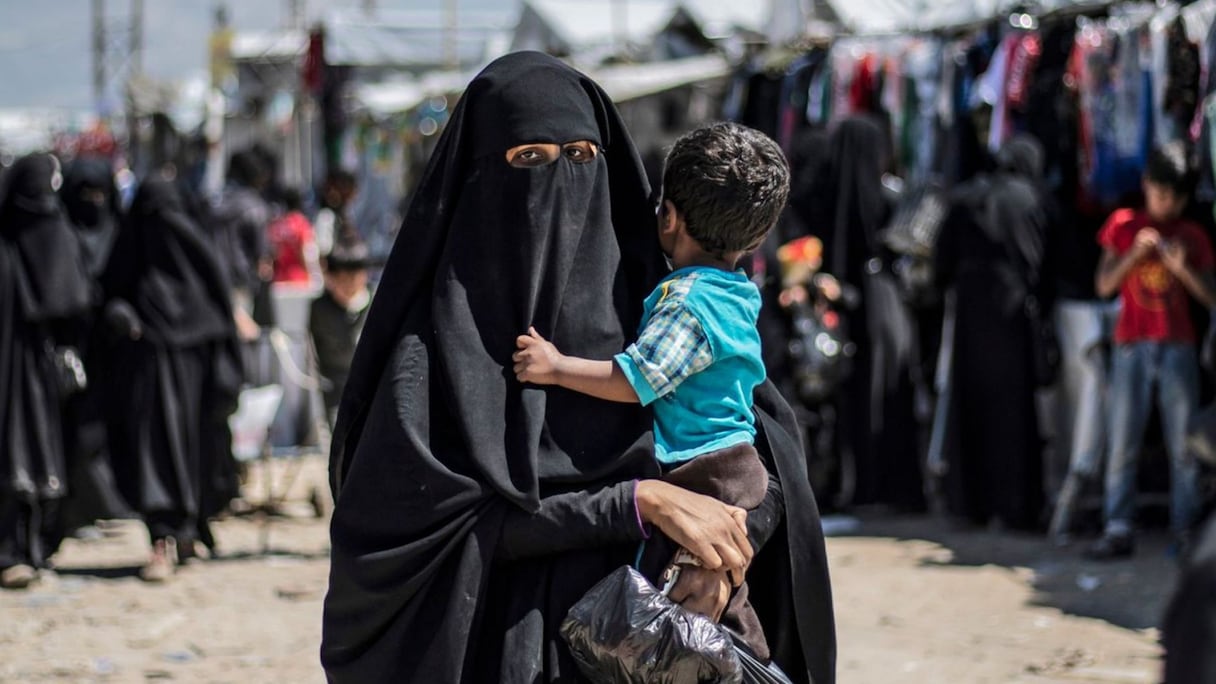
(488, 249)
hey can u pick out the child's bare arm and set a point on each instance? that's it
(539, 362)
(1114, 267)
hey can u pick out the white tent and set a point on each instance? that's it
(864, 17)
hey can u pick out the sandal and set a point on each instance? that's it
(18, 577)
(161, 565)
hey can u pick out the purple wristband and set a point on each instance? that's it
(637, 512)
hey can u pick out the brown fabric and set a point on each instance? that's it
(734, 476)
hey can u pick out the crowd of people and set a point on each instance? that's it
(958, 353)
(128, 329)
(915, 330)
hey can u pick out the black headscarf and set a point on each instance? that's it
(96, 221)
(809, 153)
(436, 443)
(489, 250)
(854, 202)
(49, 272)
(163, 267)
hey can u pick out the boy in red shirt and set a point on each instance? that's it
(1156, 260)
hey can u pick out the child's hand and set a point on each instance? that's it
(1147, 240)
(537, 359)
(1173, 255)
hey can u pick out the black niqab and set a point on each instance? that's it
(163, 266)
(855, 205)
(48, 265)
(439, 455)
(96, 221)
(493, 249)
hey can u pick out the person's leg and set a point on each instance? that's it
(16, 566)
(1179, 397)
(163, 528)
(1082, 405)
(1129, 406)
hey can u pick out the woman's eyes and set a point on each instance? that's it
(580, 152)
(528, 156)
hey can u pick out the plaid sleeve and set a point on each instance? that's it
(670, 348)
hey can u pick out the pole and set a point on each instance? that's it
(137, 37)
(135, 70)
(620, 26)
(295, 14)
(99, 57)
(451, 50)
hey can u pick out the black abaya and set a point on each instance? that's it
(164, 367)
(91, 201)
(992, 252)
(473, 511)
(43, 289)
(847, 209)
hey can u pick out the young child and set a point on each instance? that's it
(336, 319)
(1155, 259)
(697, 356)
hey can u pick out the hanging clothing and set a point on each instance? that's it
(44, 291)
(473, 511)
(992, 254)
(174, 366)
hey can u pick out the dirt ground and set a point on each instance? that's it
(915, 602)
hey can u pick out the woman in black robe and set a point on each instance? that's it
(171, 368)
(879, 433)
(91, 199)
(472, 511)
(991, 253)
(43, 294)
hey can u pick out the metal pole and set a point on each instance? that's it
(451, 50)
(134, 71)
(137, 37)
(295, 14)
(620, 26)
(99, 56)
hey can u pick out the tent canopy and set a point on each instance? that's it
(892, 16)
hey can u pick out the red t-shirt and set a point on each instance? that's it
(288, 234)
(1156, 305)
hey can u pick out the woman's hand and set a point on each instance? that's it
(702, 591)
(712, 531)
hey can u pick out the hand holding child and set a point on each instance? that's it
(537, 359)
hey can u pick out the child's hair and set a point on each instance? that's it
(292, 201)
(347, 258)
(730, 182)
(1170, 166)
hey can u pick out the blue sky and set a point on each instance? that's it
(45, 44)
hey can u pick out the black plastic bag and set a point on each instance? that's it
(624, 630)
(754, 671)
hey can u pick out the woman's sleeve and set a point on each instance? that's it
(763, 520)
(573, 520)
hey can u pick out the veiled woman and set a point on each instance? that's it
(472, 511)
(44, 292)
(848, 208)
(173, 369)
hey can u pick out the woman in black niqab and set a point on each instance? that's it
(90, 199)
(472, 511)
(993, 252)
(879, 431)
(167, 303)
(43, 291)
